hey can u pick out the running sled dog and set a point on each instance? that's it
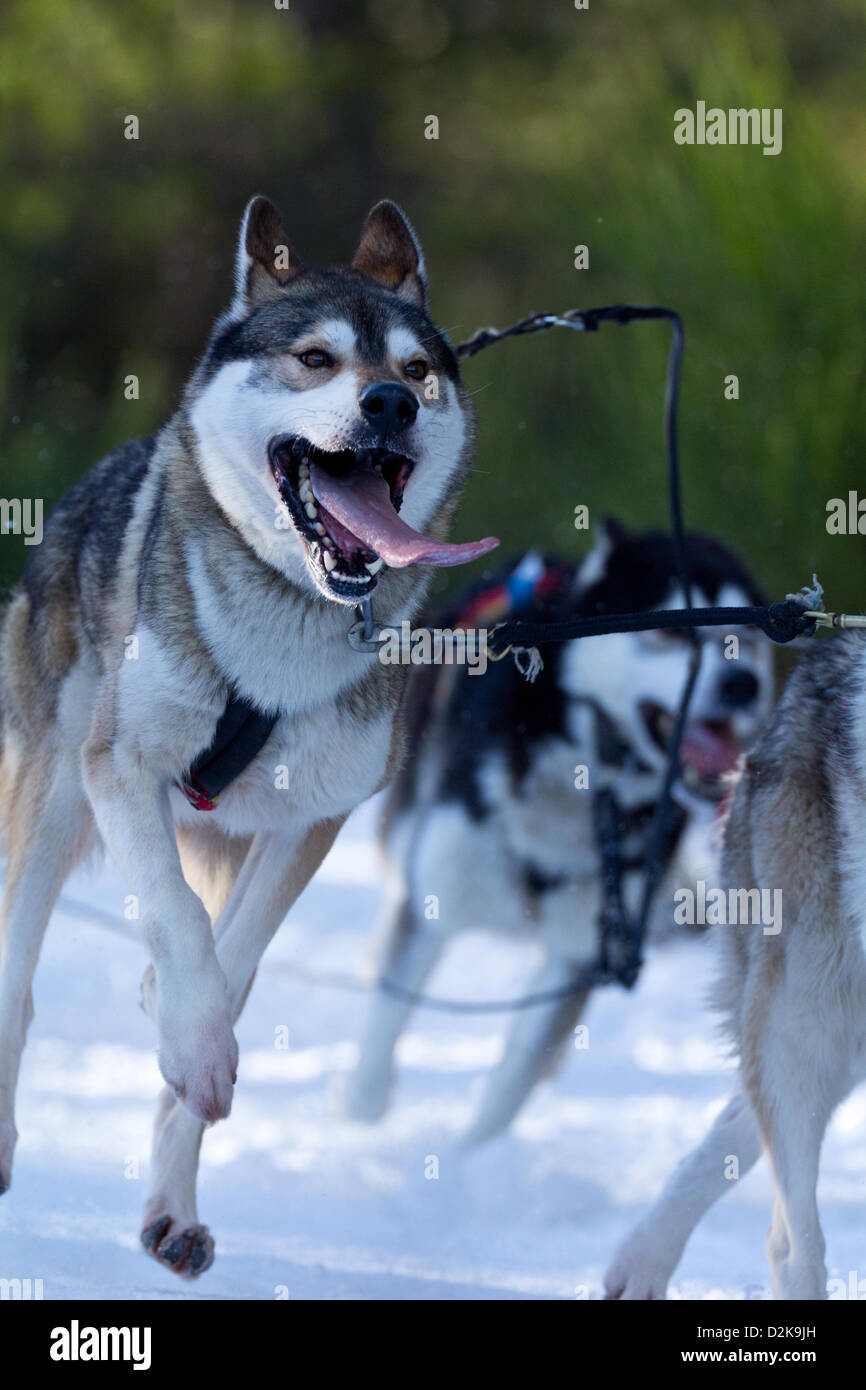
(794, 1003)
(210, 570)
(487, 819)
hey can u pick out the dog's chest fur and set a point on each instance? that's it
(315, 766)
(261, 637)
(332, 741)
(279, 649)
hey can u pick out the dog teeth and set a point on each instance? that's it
(374, 566)
(320, 528)
(305, 491)
(304, 471)
(334, 573)
(310, 510)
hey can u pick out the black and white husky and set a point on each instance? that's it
(192, 597)
(491, 819)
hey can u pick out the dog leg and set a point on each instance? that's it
(645, 1261)
(532, 1045)
(274, 873)
(171, 1230)
(800, 1019)
(795, 1244)
(794, 1109)
(197, 1048)
(410, 956)
(778, 1245)
(50, 828)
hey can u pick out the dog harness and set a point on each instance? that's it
(530, 580)
(622, 834)
(243, 729)
(241, 734)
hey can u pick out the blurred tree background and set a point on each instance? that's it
(555, 129)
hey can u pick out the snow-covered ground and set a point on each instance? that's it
(299, 1199)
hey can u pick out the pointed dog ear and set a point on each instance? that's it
(266, 260)
(389, 253)
(610, 532)
(607, 534)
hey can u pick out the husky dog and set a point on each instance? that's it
(214, 568)
(490, 813)
(794, 1000)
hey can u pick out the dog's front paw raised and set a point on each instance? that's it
(199, 1060)
(198, 1054)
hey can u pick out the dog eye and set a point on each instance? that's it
(417, 369)
(315, 357)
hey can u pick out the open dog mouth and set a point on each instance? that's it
(708, 752)
(345, 505)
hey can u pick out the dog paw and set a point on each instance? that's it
(200, 1064)
(186, 1249)
(198, 1052)
(638, 1272)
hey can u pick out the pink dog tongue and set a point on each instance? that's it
(362, 503)
(709, 750)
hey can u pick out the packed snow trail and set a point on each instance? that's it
(306, 1205)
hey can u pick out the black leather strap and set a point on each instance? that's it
(240, 735)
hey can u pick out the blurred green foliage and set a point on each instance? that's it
(555, 129)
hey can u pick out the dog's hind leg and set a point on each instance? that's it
(794, 1116)
(411, 953)
(48, 831)
(645, 1261)
(274, 873)
(531, 1049)
(800, 1010)
(796, 1077)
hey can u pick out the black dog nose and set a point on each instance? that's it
(739, 688)
(388, 407)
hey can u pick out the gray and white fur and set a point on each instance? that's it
(189, 567)
(793, 1002)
